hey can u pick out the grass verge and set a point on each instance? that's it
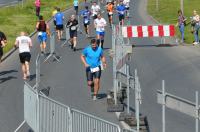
(22, 18)
(167, 13)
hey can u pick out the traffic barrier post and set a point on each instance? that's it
(52, 48)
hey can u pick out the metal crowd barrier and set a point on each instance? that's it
(43, 114)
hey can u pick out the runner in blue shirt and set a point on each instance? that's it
(86, 19)
(121, 9)
(76, 6)
(92, 56)
(59, 17)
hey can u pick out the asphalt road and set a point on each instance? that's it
(66, 80)
(7, 2)
(178, 65)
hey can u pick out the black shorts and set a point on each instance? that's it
(59, 27)
(25, 56)
(73, 33)
(91, 75)
(76, 8)
(127, 8)
(85, 25)
(109, 15)
(95, 17)
(121, 17)
(1, 51)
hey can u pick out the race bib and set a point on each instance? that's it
(73, 27)
(86, 21)
(110, 13)
(39, 33)
(93, 70)
(122, 12)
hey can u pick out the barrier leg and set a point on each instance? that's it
(20, 126)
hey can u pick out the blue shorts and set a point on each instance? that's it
(100, 33)
(42, 37)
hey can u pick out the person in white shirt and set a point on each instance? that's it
(99, 25)
(127, 5)
(95, 9)
(24, 43)
(196, 19)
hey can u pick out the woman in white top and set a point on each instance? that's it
(196, 20)
(99, 25)
(24, 43)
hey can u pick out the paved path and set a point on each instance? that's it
(66, 80)
(179, 66)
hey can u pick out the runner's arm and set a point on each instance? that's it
(16, 43)
(84, 61)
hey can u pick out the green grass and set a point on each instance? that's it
(167, 13)
(17, 18)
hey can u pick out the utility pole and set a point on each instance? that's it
(181, 3)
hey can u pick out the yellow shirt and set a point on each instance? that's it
(54, 12)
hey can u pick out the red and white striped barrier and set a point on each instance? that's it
(148, 31)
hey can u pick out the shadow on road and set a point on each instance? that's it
(2, 80)
(7, 72)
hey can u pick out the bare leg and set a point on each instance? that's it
(24, 71)
(96, 86)
(27, 68)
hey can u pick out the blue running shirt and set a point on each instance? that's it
(59, 18)
(121, 9)
(93, 57)
(86, 15)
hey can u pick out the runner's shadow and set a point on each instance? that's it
(7, 72)
(34, 76)
(102, 95)
(2, 80)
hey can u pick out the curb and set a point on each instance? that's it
(10, 52)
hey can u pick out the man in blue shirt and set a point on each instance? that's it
(121, 9)
(86, 19)
(76, 6)
(92, 57)
(59, 17)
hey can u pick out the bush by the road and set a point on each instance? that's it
(167, 13)
(17, 18)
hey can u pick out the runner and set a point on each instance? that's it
(24, 43)
(127, 5)
(92, 56)
(121, 9)
(72, 24)
(100, 24)
(95, 9)
(86, 19)
(76, 6)
(53, 15)
(110, 8)
(43, 29)
(3, 42)
(59, 17)
(37, 7)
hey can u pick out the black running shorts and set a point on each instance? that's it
(91, 75)
(121, 17)
(59, 27)
(25, 56)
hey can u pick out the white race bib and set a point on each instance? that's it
(39, 33)
(110, 13)
(86, 21)
(122, 12)
(73, 27)
(96, 69)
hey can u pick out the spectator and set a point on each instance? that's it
(37, 5)
(196, 20)
(180, 24)
(3, 41)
